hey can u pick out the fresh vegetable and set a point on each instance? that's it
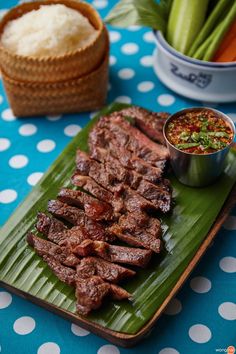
(227, 50)
(200, 132)
(210, 24)
(196, 28)
(186, 20)
(200, 52)
(220, 35)
(139, 12)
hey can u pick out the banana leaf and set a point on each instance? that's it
(194, 213)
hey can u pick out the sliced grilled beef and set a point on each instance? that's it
(48, 225)
(132, 256)
(47, 248)
(132, 222)
(113, 273)
(150, 123)
(95, 209)
(134, 140)
(110, 178)
(75, 216)
(65, 274)
(100, 140)
(159, 194)
(138, 239)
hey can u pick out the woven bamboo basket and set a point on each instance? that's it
(76, 95)
(50, 69)
(74, 82)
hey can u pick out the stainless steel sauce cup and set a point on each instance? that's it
(197, 170)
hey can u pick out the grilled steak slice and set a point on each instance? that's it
(48, 225)
(112, 181)
(76, 216)
(113, 273)
(132, 222)
(90, 293)
(159, 194)
(65, 274)
(47, 248)
(138, 239)
(95, 209)
(101, 139)
(134, 140)
(113, 253)
(118, 293)
(91, 186)
(150, 123)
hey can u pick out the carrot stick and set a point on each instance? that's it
(229, 53)
(229, 37)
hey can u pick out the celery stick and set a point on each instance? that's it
(185, 21)
(220, 35)
(200, 52)
(209, 25)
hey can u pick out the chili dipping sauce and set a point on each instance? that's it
(199, 132)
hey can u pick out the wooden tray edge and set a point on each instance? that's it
(129, 340)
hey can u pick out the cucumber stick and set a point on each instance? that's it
(185, 21)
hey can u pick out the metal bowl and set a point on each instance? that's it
(197, 170)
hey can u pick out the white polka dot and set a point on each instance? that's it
(4, 144)
(149, 37)
(228, 264)
(8, 196)
(165, 100)
(34, 178)
(8, 115)
(112, 60)
(230, 223)
(130, 48)
(199, 333)
(200, 285)
(24, 325)
(46, 145)
(72, 129)
(114, 36)
(54, 118)
(232, 116)
(123, 99)
(18, 161)
(134, 28)
(108, 349)
(93, 114)
(100, 4)
(27, 129)
(78, 331)
(168, 351)
(227, 310)
(49, 348)
(5, 299)
(147, 60)
(126, 73)
(145, 86)
(1, 99)
(174, 307)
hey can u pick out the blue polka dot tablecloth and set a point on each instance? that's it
(202, 318)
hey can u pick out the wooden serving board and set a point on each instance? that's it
(24, 273)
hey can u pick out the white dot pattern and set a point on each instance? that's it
(78, 331)
(227, 310)
(49, 348)
(5, 299)
(46, 145)
(4, 144)
(24, 325)
(200, 333)
(200, 285)
(18, 161)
